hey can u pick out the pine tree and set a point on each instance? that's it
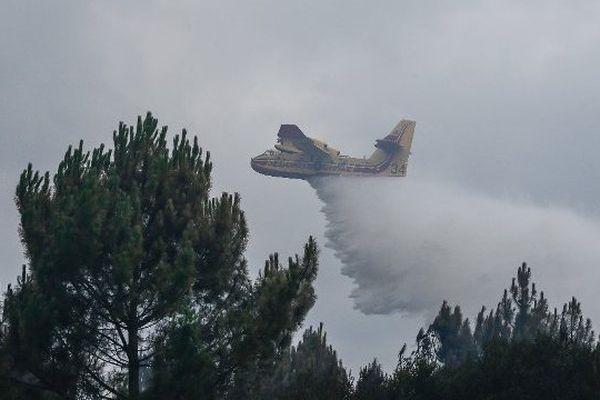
(131, 265)
(531, 311)
(114, 243)
(454, 334)
(573, 329)
(28, 368)
(522, 315)
(505, 314)
(415, 375)
(311, 370)
(224, 354)
(372, 383)
(522, 351)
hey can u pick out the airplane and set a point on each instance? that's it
(298, 156)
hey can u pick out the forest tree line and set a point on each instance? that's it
(519, 350)
(136, 287)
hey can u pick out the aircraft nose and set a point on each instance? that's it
(259, 163)
(254, 161)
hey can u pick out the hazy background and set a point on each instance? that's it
(505, 95)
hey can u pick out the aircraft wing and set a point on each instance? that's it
(293, 135)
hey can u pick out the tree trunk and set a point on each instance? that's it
(134, 364)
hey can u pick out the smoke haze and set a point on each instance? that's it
(409, 244)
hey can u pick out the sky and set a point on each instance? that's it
(505, 95)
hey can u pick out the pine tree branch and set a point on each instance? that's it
(44, 386)
(101, 299)
(112, 360)
(103, 384)
(110, 339)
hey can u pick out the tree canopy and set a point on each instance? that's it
(131, 263)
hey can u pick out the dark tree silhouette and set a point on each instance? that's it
(130, 265)
(310, 370)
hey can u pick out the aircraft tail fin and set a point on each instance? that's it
(394, 149)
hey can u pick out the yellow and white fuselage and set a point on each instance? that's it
(298, 156)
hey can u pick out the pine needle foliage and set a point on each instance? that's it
(131, 263)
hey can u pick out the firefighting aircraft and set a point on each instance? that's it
(298, 156)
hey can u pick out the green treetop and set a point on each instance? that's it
(129, 259)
